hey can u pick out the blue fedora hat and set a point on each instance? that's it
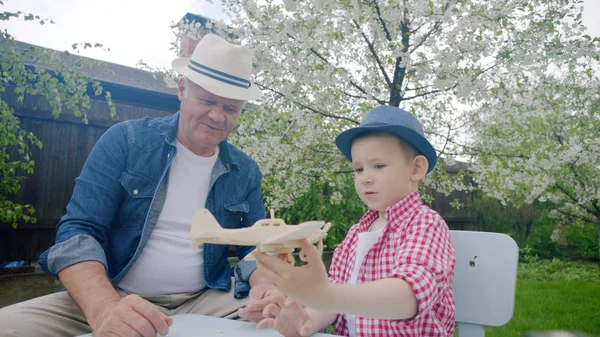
(392, 120)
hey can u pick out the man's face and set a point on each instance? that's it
(205, 119)
(382, 171)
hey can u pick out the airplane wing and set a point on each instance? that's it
(296, 232)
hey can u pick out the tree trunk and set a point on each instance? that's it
(528, 229)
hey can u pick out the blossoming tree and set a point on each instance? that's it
(324, 63)
(543, 144)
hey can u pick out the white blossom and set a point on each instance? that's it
(496, 82)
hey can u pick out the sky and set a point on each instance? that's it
(130, 29)
(133, 30)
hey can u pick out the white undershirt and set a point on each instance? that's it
(366, 241)
(167, 264)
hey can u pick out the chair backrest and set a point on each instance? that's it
(485, 280)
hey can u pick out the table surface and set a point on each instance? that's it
(190, 325)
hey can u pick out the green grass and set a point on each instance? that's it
(553, 305)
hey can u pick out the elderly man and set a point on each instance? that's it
(120, 249)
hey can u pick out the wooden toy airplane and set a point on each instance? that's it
(268, 235)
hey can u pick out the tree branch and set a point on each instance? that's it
(475, 151)
(430, 92)
(321, 151)
(353, 96)
(380, 101)
(416, 65)
(319, 176)
(435, 29)
(374, 54)
(343, 172)
(313, 110)
(596, 210)
(352, 83)
(418, 88)
(596, 206)
(460, 126)
(418, 28)
(447, 141)
(388, 36)
(573, 199)
(565, 192)
(400, 72)
(488, 154)
(486, 69)
(559, 139)
(312, 175)
(575, 216)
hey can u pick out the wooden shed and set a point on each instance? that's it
(67, 142)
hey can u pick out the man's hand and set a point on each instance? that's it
(307, 284)
(260, 296)
(290, 319)
(131, 316)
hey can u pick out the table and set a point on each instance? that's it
(190, 325)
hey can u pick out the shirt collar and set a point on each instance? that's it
(395, 213)
(168, 126)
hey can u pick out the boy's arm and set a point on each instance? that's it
(418, 273)
(422, 267)
(377, 299)
(390, 298)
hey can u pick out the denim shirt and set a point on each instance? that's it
(121, 191)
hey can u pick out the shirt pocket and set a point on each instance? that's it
(235, 213)
(139, 192)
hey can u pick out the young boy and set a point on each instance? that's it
(392, 274)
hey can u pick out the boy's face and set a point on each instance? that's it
(383, 173)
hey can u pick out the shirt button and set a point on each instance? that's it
(136, 191)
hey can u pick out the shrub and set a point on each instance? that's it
(531, 267)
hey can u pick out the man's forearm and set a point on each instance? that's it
(383, 299)
(89, 287)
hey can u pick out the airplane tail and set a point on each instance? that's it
(204, 225)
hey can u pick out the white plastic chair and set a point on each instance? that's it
(485, 280)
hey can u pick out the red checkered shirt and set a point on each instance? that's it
(414, 246)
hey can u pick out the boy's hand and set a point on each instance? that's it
(291, 320)
(307, 284)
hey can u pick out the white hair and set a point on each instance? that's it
(186, 86)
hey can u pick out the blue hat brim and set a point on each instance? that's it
(344, 140)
